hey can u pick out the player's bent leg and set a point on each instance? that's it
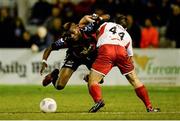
(141, 91)
(95, 90)
(64, 76)
(51, 77)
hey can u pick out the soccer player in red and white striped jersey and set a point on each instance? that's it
(114, 49)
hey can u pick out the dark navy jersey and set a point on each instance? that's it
(85, 46)
(78, 49)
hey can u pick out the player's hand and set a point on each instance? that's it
(89, 18)
(44, 66)
(94, 16)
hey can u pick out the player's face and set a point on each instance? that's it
(75, 32)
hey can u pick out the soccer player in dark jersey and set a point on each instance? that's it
(81, 50)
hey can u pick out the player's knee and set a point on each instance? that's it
(59, 87)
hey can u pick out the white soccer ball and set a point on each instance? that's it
(48, 105)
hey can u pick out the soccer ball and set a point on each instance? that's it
(48, 105)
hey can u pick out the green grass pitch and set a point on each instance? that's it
(21, 102)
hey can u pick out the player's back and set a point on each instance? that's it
(112, 33)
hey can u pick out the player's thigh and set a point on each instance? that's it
(64, 75)
(133, 79)
(100, 68)
(94, 76)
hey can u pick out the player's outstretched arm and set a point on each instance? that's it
(85, 20)
(105, 17)
(60, 43)
(92, 18)
(45, 57)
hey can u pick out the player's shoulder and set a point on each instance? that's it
(110, 23)
(107, 25)
(113, 24)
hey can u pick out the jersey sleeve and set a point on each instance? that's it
(58, 44)
(130, 49)
(92, 27)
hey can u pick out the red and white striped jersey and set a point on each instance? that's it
(112, 33)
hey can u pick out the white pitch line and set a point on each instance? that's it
(115, 113)
(140, 112)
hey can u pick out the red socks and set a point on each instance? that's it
(95, 92)
(143, 95)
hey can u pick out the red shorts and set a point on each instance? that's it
(112, 55)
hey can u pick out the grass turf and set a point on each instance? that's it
(21, 102)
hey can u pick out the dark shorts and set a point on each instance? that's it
(74, 62)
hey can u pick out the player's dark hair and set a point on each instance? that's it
(66, 34)
(122, 20)
(68, 25)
